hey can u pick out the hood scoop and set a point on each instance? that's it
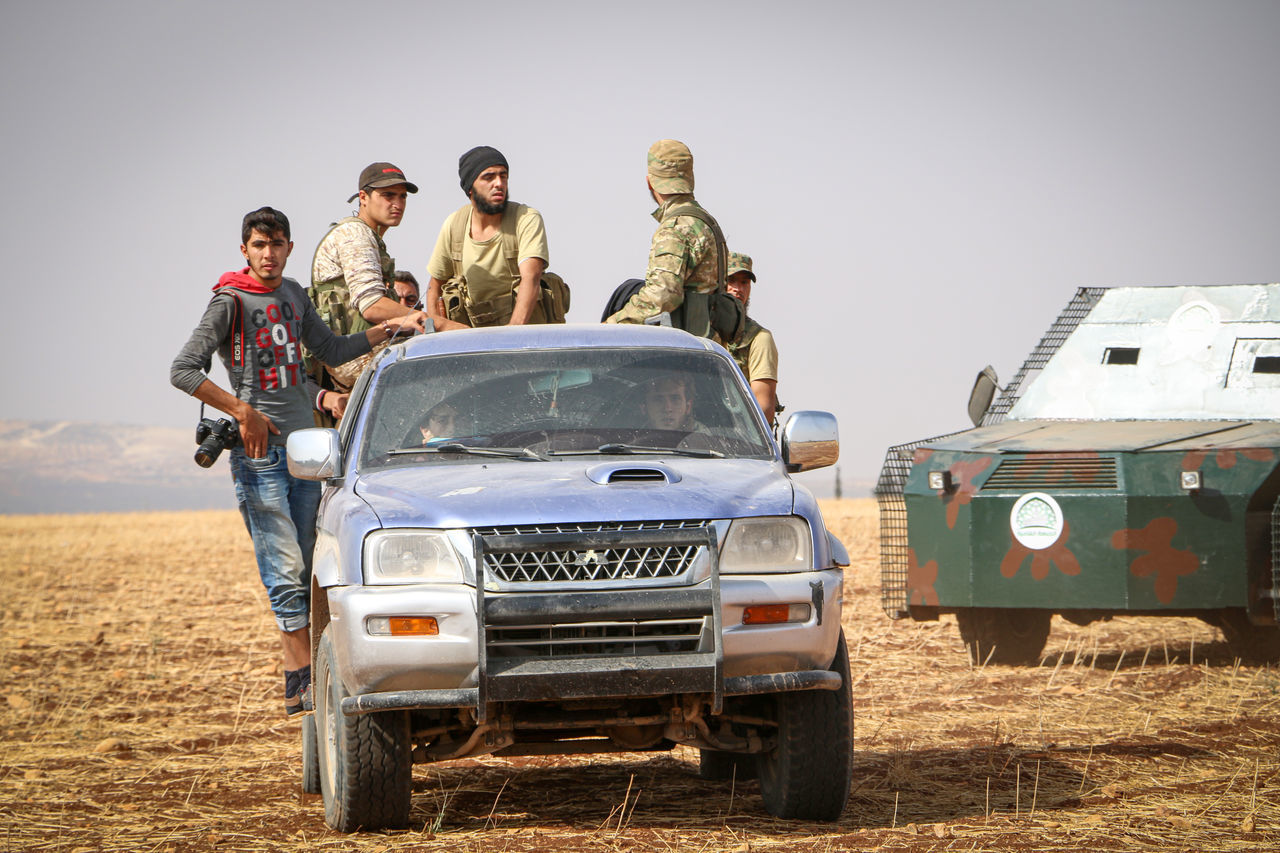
(618, 473)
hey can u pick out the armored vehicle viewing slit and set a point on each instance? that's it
(1131, 467)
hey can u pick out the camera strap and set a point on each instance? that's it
(237, 369)
(237, 331)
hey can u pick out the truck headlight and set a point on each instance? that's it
(769, 544)
(410, 556)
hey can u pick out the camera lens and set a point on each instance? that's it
(208, 452)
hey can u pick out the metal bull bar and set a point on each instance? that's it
(549, 678)
(545, 678)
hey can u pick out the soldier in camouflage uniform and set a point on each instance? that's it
(352, 274)
(687, 255)
(754, 349)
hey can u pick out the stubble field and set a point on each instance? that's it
(141, 679)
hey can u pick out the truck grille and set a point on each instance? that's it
(595, 639)
(585, 564)
(1054, 471)
(651, 637)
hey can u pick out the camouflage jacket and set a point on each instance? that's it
(683, 255)
(351, 270)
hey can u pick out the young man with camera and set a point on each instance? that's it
(256, 321)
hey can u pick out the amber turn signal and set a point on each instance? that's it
(415, 626)
(774, 614)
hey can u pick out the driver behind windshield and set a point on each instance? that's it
(443, 421)
(668, 404)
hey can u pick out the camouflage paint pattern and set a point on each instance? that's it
(670, 167)
(1069, 496)
(1137, 543)
(350, 271)
(739, 262)
(683, 255)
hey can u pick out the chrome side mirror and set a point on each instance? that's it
(810, 440)
(314, 454)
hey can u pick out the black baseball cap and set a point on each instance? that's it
(382, 175)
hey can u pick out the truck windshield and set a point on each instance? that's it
(546, 404)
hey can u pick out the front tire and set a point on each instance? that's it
(808, 774)
(1004, 635)
(310, 756)
(365, 761)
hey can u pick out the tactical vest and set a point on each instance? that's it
(551, 306)
(740, 347)
(715, 314)
(332, 297)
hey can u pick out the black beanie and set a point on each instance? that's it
(475, 161)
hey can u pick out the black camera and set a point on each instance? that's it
(213, 438)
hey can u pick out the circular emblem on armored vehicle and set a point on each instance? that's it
(1036, 520)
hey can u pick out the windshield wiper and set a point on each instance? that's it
(458, 447)
(638, 448)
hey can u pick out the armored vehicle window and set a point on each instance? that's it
(1266, 364)
(1255, 363)
(525, 406)
(1121, 355)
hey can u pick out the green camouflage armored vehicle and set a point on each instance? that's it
(1130, 468)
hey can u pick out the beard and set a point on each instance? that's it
(487, 208)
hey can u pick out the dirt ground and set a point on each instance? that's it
(141, 713)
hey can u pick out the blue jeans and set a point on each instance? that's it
(280, 512)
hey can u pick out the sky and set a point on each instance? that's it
(922, 185)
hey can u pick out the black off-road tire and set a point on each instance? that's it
(808, 774)
(1254, 643)
(310, 756)
(717, 766)
(1000, 635)
(365, 761)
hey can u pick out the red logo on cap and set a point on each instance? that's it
(392, 171)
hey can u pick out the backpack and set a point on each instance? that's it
(553, 299)
(620, 297)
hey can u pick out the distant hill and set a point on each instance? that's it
(72, 466)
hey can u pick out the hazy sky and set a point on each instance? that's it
(922, 185)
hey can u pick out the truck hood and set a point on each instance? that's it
(585, 489)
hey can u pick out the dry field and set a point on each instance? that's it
(141, 676)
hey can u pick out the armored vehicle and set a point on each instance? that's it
(551, 540)
(1131, 467)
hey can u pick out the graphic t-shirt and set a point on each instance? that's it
(270, 374)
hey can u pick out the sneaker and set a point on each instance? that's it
(297, 691)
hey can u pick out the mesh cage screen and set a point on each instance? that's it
(1077, 309)
(897, 461)
(893, 525)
